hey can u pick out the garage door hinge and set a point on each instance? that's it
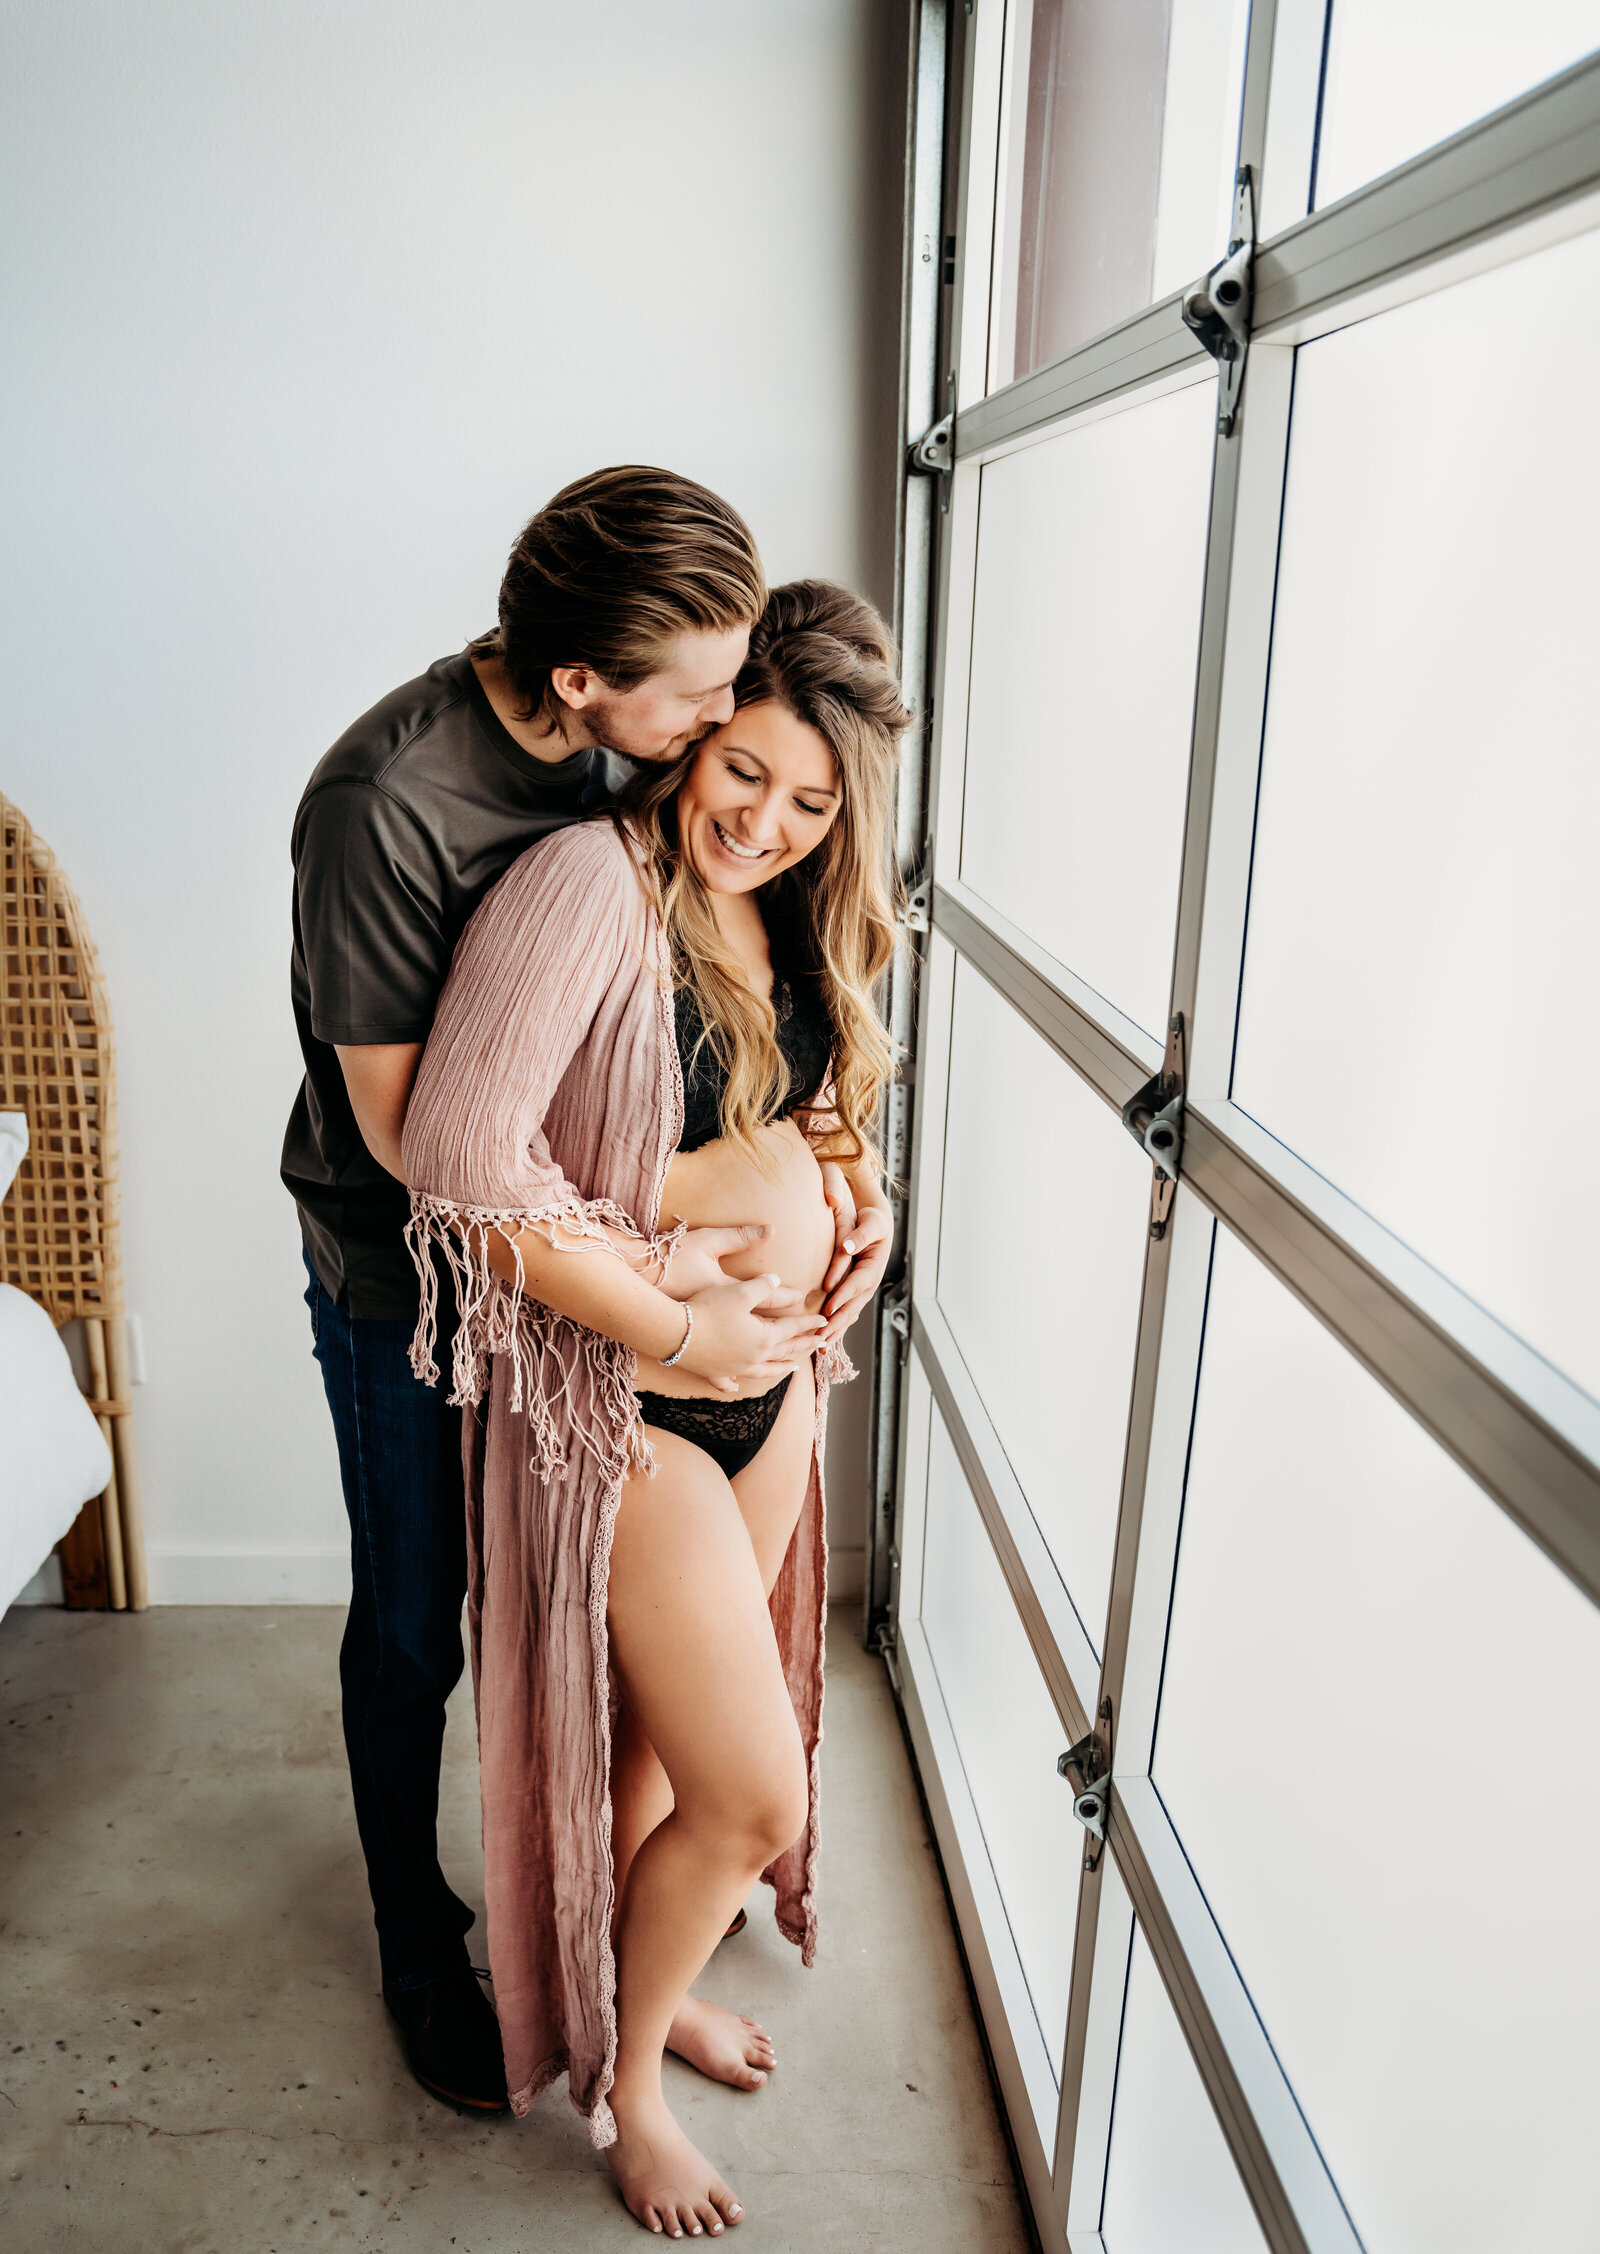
(1087, 1768)
(930, 455)
(1154, 1118)
(934, 453)
(1218, 309)
(914, 913)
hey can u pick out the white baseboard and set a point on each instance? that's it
(847, 1575)
(313, 1577)
(250, 1576)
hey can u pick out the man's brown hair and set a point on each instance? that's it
(611, 570)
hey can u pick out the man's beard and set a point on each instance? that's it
(677, 747)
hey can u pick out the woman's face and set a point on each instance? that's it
(762, 792)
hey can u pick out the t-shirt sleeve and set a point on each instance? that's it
(370, 908)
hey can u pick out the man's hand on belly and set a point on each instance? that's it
(697, 1262)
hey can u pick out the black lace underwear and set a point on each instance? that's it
(732, 1433)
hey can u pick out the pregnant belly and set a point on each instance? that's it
(716, 1186)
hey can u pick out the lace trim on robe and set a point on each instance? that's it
(497, 1317)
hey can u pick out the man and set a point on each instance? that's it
(625, 614)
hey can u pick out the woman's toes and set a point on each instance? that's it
(729, 2047)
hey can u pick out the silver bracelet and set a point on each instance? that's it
(683, 1343)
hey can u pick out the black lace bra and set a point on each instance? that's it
(805, 1043)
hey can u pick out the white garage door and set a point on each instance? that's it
(1264, 805)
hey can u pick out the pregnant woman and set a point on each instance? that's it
(658, 1027)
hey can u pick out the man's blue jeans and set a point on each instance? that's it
(400, 1461)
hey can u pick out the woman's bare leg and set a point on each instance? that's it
(770, 1492)
(725, 2045)
(771, 1489)
(692, 1642)
(641, 1797)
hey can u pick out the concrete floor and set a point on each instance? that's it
(194, 2056)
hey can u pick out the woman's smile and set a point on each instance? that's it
(729, 844)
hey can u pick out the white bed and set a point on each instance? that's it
(52, 1455)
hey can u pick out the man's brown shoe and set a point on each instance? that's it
(452, 2041)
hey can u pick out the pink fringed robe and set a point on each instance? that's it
(550, 1094)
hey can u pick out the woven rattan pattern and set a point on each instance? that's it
(58, 1225)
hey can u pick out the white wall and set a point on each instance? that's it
(309, 304)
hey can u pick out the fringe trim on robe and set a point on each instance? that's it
(550, 1097)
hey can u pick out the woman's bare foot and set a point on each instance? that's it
(666, 2184)
(723, 2044)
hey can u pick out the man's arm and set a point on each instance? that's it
(379, 1079)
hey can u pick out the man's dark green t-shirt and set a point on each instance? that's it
(404, 826)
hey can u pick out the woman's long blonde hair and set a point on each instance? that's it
(827, 657)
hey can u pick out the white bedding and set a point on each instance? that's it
(52, 1455)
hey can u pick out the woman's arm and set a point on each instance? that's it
(739, 1330)
(528, 979)
(379, 1077)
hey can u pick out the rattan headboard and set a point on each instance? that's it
(59, 1226)
(60, 1238)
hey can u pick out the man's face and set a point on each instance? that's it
(673, 708)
